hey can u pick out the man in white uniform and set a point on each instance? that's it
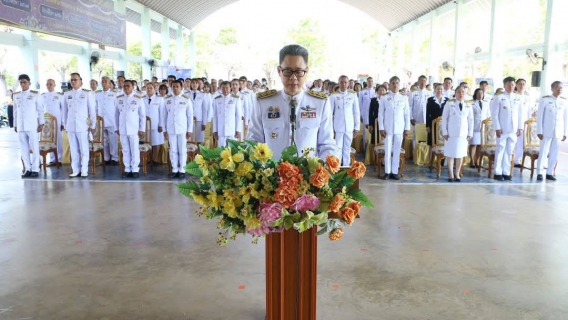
(551, 126)
(176, 120)
(525, 111)
(394, 125)
(154, 105)
(293, 116)
(345, 106)
(106, 108)
(417, 102)
(53, 102)
(365, 97)
(28, 121)
(131, 124)
(448, 92)
(227, 114)
(79, 118)
(507, 122)
(248, 101)
(201, 108)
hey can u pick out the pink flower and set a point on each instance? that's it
(258, 231)
(305, 203)
(269, 212)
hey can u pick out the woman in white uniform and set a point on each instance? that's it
(153, 106)
(480, 113)
(457, 129)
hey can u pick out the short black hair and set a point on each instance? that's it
(24, 77)
(120, 77)
(478, 90)
(177, 81)
(225, 83)
(381, 86)
(483, 82)
(163, 87)
(129, 81)
(293, 50)
(520, 79)
(171, 76)
(394, 78)
(448, 78)
(422, 77)
(508, 79)
(554, 84)
(243, 78)
(77, 74)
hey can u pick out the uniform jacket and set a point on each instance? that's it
(177, 115)
(28, 110)
(53, 103)
(228, 113)
(456, 122)
(551, 119)
(345, 106)
(506, 112)
(79, 110)
(106, 106)
(130, 114)
(394, 113)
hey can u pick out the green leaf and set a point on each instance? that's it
(289, 153)
(323, 229)
(347, 182)
(235, 145)
(187, 187)
(253, 144)
(336, 179)
(210, 154)
(196, 172)
(191, 165)
(358, 195)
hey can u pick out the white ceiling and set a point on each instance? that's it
(390, 13)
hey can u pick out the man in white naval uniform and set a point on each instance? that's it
(53, 102)
(525, 110)
(106, 108)
(508, 124)
(28, 121)
(394, 125)
(448, 92)
(154, 105)
(201, 108)
(551, 126)
(365, 97)
(176, 121)
(79, 118)
(130, 119)
(292, 115)
(346, 119)
(227, 115)
(249, 95)
(417, 101)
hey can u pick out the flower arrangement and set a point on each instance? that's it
(249, 192)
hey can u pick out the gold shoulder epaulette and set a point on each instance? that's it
(217, 97)
(114, 90)
(137, 96)
(235, 96)
(86, 90)
(266, 94)
(563, 98)
(450, 100)
(245, 92)
(185, 96)
(317, 94)
(60, 93)
(351, 91)
(547, 96)
(168, 96)
(44, 93)
(469, 101)
(17, 92)
(33, 91)
(120, 96)
(99, 91)
(499, 93)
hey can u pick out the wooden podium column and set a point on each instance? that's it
(291, 275)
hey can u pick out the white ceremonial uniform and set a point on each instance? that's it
(106, 108)
(28, 115)
(78, 117)
(130, 117)
(458, 125)
(227, 118)
(346, 119)
(506, 116)
(248, 101)
(365, 97)
(177, 120)
(417, 102)
(552, 123)
(449, 93)
(201, 104)
(314, 123)
(480, 113)
(154, 104)
(394, 118)
(526, 114)
(53, 102)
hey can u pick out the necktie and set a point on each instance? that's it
(149, 100)
(293, 104)
(460, 106)
(194, 95)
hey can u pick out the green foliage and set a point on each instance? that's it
(210, 154)
(289, 153)
(357, 195)
(187, 188)
(336, 179)
(308, 34)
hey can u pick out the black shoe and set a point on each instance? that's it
(451, 179)
(518, 165)
(174, 175)
(34, 174)
(134, 175)
(27, 174)
(107, 162)
(550, 177)
(457, 180)
(395, 176)
(498, 177)
(129, 175)
(506, 177)
(125, 174)
(113, 163)
(181, 175)
(386, 176)
(539, 177)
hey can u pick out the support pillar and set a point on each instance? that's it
(180, 53)
(146, 43)
(84, 65)
(120, 64)
(414, 50)
(495, 59)
(166, 42)
(432, 63)
(550, 74)
(30, 54)
(191, 53)
(458, 43)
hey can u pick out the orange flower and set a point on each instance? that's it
(348, 215)
(320, 177)
(332, 163)
(287, 171)
(289, 183)
(336, 234)
(336, 203)
(286, 196)
(356, 206)
(357, 170)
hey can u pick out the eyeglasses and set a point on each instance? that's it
(289, 72)
(74, 79)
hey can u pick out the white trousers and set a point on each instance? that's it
(59, 146)
(505, 146)
(111, 144)
(393, 143)
(222, 142)
(200, 133)
(548, 147)
(178, 152)
(343, 141)
(519, 148)
(29, 140)
(79, 147)
(130, 152)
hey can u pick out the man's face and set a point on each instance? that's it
(242, 84)
(201, 84)
(50, 85)
(509, 86)
(94, 85)
(214, 87)
(394, 85)
(150, 90)
(459, 94)
(370, 83)
(343, 83)
(156, 86)
(225, 89)
(25, 84)
(176, 88)
(249, 85)
(194, 85)
(170, 80)
(120, 82)
(351, 84)
(187, 83)
(76, 82)
(256, 82)
(146, 82)
(106, 83)
(521, 86)
(557, 90)
(447, 84)
(465, 88)
(292, 84)
(235, 85)
(483, 87)
(127, 87)
(421, 83)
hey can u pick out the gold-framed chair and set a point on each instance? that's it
(192, 145)
(437, 149)
(379, 150)
(96, 145)
(48, 140)
(489, 148)
(531, 144)
(146, 146)
(421, 153)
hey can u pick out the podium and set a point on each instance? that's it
(291, 275)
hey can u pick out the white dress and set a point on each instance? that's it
(458, 125)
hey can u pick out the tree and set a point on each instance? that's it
(227, 50)
(4, 76)
(308, 35)
(104, 67)
(61, 64)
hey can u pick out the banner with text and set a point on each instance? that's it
(75, 19)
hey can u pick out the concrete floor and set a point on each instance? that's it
(113, 249)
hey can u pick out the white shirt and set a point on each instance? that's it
(79, 110)
(53, 103)
(28, 110)
(345, 106)
(106, 107)
(228, 113)
(177, 115)
(394, 113)
(130, 114)
(552, 117)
